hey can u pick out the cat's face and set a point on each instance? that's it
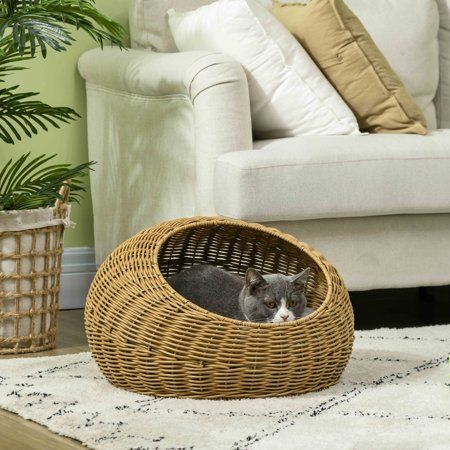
(273, 298)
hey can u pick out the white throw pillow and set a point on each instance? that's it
(289, 95)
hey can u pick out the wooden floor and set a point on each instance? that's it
(19, 434)
(374, 309)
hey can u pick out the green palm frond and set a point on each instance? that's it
(28, 183)
(31, 26)
(19, 114)
(45, 23)
(9, 61)
(31, 30)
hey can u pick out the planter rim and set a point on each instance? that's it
(27, 219)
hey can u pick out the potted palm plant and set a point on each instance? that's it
(35, 193)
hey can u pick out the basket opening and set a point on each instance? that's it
(235, 248)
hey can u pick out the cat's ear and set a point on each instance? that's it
(253, 279)
(301, 278)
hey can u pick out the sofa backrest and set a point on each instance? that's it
(442, 99)
(413, 34)
(149, 26)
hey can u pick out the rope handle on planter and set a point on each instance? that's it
(61, 204)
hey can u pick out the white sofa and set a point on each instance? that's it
(172, 133)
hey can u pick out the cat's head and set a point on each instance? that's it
(273, 298)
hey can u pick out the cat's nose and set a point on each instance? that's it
(284, 316)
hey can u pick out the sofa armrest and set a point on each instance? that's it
(214, 83)
(157, 124)
(147, 73)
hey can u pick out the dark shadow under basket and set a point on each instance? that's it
(147, 338)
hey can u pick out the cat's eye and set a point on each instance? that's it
(292, 303)
(271, 305)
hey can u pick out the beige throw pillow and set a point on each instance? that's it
(343, 49)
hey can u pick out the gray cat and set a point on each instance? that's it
(257, 298)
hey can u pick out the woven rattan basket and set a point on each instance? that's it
(147, 338)
(30, 267)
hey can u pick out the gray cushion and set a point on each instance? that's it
(310, 177)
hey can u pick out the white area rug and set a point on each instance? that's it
(395, 394)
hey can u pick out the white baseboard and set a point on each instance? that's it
(78, 270)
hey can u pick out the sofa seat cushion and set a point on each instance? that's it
(311, 177)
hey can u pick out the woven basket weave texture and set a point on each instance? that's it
(147, 338)
(30, 268)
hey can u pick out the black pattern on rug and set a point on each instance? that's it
(287, 421)
(69, 395)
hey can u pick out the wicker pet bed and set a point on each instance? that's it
(146, 338)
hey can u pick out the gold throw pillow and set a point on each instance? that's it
(345, 52)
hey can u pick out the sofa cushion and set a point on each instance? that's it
(442, 99)
(310, 177)
(289, 95)
(149, 27)
(404, 30)
(347, 55)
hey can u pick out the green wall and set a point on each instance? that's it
(59, 83)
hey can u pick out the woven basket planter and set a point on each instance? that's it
(31, 245)
(147, 338)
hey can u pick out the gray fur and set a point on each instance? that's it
(229, 295)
